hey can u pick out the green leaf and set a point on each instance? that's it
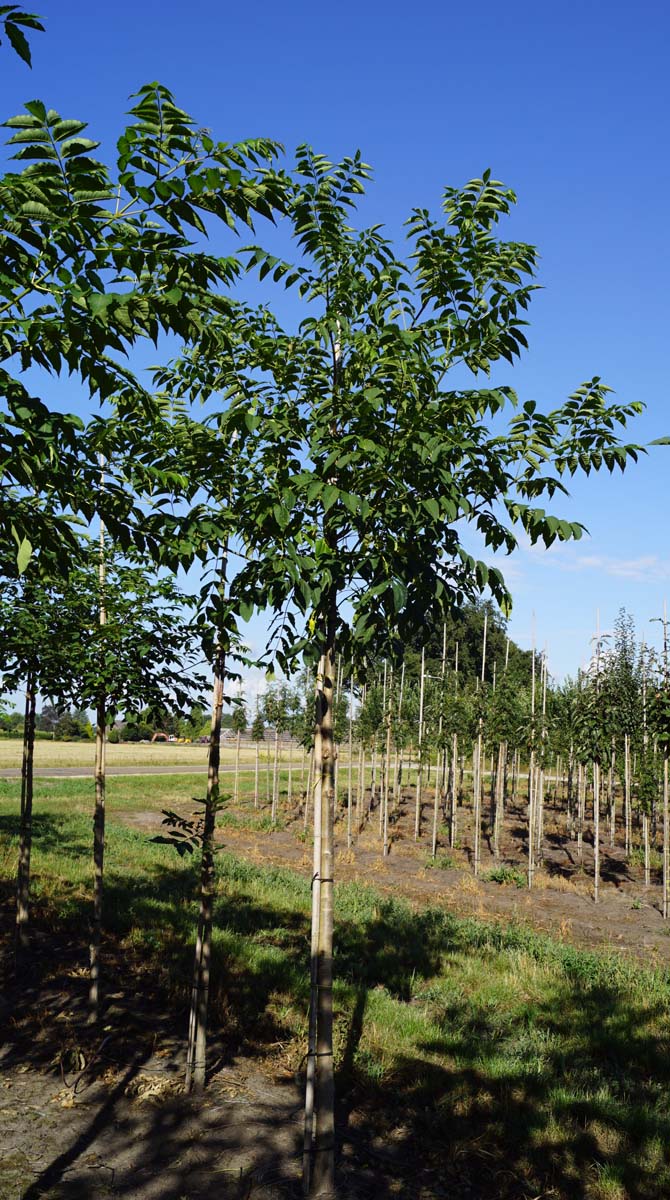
(24, 555)
(18, 41)
(330, 497)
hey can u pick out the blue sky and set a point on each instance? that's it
(568, 104)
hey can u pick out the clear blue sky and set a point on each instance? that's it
(568, 104)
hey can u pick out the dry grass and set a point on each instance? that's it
(131, 754)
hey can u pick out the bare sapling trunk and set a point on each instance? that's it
(478, 769)
(256, 771)
(237, 765)
(196, 1053)
(310, 788)
(351, 764)
(647, 849)
(321, 1181)
(477, 803)
(98, 857)
(26, 819)
(666, 834)
(436, 809)
(384, 760)
(439, 783)
(531, 819)
(453, 791)
(531, 773)
(569, 797)
(275, 779)
(627, 795)
(417, 812)
(310, 1071)
(596, 831)
(612, 796)
(99, 810)
(499, 797)
(581, 806)
(385, 802)
(666, 751)
(360, 790)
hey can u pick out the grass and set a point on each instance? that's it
(507, 876)
(81, 754)
(655, 858)
(480, 1052)
(443, 862)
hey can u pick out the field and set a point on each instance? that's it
(81, 754)
(477, 1056)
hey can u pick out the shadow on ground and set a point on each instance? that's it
(563, 1097)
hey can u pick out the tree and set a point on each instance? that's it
(257, 736)
(142, 656)
(95, 261)
(364, 469)
(239, 725)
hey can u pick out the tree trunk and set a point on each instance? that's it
(499, 797)
(627, 795)
(581, 804)
(98, 857)
(360, 792)
(322, 1175)
(453, 791)
(310, 786)
(531, 819)
(26, 820)
(237, 766)
(197, 1033)
(666, 835)
(256, 775)
(596, 832)
(612, 796)
(350, 780)
(275, 779)
(387, 772)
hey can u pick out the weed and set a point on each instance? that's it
(655, 858)
(506, 876)
(443, 862)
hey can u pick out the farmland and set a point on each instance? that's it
(558, 1084)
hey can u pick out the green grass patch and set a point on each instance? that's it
(507, 876)
(491, 1051)
(443, 862)
(655, 858)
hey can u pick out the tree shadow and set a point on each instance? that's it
(495, 1104)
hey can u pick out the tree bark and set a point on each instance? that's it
(256, 776)
(196, 1054)
(26, 819)
(98, 857)
(596, 832)
(237, 766)
(322, 1175)
(275, 779)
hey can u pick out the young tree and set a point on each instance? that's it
(370, 467)
(257, 736)
(239, 725)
